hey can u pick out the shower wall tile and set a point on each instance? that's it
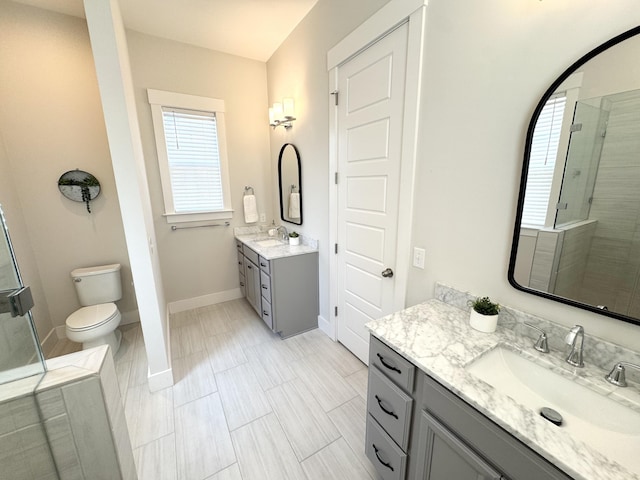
(63, 448)
(18, 413)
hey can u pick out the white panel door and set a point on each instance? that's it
(370, 112)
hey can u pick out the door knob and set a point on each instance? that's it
(387, 273)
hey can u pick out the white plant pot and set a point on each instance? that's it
(294, 240)
(483, 323)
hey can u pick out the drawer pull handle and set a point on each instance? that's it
(386, 365)
(264, 286)
(264, 312)
(263, 264)
(249, 267)
(388, 412)
(386, 464)
(241, 284)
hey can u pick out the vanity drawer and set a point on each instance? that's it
(265, 286)
(392, 364)
(389, 461)
(266, 313)
(239, 245)
(390, 406)
(265, 265)
(241, 263)
(250, 254)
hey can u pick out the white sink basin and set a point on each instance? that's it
(595, 419)
(271, 242)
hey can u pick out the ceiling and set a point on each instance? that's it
(248, 28)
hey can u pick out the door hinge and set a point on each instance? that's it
(336, 248)
(576, 127)
(335, 96)
(335, 179)
(335, 311)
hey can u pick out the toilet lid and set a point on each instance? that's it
(91, 316)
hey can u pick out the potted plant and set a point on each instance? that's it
(294, 238)
(484, 314)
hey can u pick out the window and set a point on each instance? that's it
(542, 162)
(192, 156)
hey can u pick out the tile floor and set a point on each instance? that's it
(245, 404)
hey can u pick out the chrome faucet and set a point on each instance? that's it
(617, 374)
(575, 338)
(284, 234)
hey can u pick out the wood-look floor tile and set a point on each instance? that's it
(157, 460)
(214, 320)
(307, 343)
(182, 319)
(359, 381)
(203, 443)
(229, 473)
(242, 397)
(264, 452)
(186, 340)
(271, 362)
(193, 378)
(303, 420)
(225, 352)
(149, 415)
(335, 461)
(341, 359)
(327, 386)
(123, 371)
(127, 344)
(253, 331)
(350, 420)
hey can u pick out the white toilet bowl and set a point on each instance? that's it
(95, 325)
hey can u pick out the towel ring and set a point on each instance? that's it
(246, 189)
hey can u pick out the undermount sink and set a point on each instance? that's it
(593, 418)
(270, 242)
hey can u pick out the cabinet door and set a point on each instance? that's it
(443, 456)
(252, 280)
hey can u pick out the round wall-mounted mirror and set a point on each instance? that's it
(79, 186)
(290, 190)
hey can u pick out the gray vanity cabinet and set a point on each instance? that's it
(443, 456)
(283, 291)
(419, 430)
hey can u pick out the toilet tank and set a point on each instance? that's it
(99, 284)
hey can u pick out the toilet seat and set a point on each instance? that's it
(91, 317)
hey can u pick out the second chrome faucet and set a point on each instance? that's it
(575, 338)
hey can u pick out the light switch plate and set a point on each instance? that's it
(418, 257)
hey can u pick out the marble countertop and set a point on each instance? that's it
(277, 251)
(437, 338)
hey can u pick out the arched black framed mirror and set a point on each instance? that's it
(577, 233)
(289, 175)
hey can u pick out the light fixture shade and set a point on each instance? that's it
(288, 107)
(277, 111)
(272, 118)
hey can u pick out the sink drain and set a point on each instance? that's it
(551, 415)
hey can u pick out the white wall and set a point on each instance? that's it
(490, 62)
(51, 121)
(298, 69)
(201, 261)
(487, 65)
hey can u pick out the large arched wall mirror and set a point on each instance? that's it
(577, 232)
(289, 175)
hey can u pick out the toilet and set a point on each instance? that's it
(95, 323)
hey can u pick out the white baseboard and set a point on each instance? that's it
(49, 342)
(167, 328)
(161, 380)
(204, 300)
(327, 328)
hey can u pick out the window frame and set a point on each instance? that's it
(159, 99)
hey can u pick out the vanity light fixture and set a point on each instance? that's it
(282, 114)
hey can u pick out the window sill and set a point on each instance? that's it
(198, 217)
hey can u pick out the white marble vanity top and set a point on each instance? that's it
(437, 338)
(271, 252)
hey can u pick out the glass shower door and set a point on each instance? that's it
(20, 354)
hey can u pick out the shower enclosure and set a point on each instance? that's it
(25, 453)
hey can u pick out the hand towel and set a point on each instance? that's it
(250, 209)
(294, 205)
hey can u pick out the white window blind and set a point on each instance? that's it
(193, 155)
(542, 161)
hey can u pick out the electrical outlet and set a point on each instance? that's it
(263, 217)
(418, 257)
